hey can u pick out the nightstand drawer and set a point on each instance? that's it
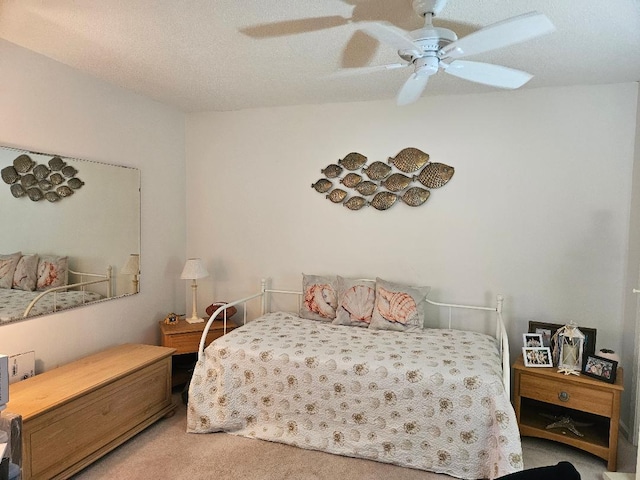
(569, 395)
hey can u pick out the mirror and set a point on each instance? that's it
(76, 222)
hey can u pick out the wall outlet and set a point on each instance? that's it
(4, 381)
(22, 366)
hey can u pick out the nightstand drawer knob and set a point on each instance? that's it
(563, 396)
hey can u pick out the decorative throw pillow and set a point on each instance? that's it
(356, 299)
(398, 307)
(320, 298)
(8, 264)
(26, 273)
(52, 272)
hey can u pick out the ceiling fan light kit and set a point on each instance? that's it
(430, 49)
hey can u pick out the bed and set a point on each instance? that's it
(435, 399)
(36, 285)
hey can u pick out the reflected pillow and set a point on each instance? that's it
(356, 299)
(319, 298)
(398, 307)
(26, 273)
(8, 264)
(52, 272)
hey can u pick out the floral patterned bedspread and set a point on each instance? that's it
(432, 401)
(13, 302)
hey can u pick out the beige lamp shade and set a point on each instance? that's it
(194, 269)
(132, 267)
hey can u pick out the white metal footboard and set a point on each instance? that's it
(82, 284)
(500, 332)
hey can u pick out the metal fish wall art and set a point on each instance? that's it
(337, 195)
(377, 171)
(37, 181)
(353, 161)
(323, 185)
(332, 171)
(383, 200)
(23, 163)
(351, 180)
(396, 182)
(409, 160)
(435, 175)
(355, 203)
(382, 185)
(415, 196)
(366, 188)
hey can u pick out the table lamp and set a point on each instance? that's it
(193, 270)
(132, 267)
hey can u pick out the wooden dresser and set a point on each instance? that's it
(74, 414)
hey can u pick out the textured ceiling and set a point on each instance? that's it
(202, 55)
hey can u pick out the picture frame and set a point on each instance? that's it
(547, 330)
(532, 340)
(537, 357)
(601, 368)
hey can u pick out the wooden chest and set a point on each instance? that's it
(74, 414)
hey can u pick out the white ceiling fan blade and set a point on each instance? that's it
(349, 72)
(487, 73)
(507, 32)
(391, 35)
(412, 89)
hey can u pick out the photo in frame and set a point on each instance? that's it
(601, 368)
(532, 340)
(547, 330)
(537, 357)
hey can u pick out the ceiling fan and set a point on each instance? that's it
(430, 49)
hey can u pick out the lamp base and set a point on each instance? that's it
(194, 320)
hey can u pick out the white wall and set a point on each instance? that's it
(538, 208)
(49, 107)
(631, 342)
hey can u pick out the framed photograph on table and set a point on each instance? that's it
(601, 368)
(532, 340)
(547, 330)
(537, 357)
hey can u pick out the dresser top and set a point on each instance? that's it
(552, 373)
(35, 395)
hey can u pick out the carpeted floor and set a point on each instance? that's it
(166, 451)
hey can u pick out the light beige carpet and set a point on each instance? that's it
(166, 451)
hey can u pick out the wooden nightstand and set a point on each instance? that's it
(543, 391)
(185, 338)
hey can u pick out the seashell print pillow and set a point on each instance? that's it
(52, 272)
(8, 264)
(356, 299)
(26, 273)
(319, 298)
(398, 307)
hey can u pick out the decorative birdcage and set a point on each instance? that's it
(569, 345)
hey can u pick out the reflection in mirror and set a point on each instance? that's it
(70, 228)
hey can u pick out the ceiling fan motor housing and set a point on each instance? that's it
(430, 39)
